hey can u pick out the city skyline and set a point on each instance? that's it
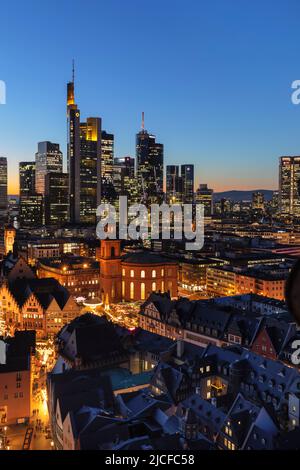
(208, 77)
(150, 265)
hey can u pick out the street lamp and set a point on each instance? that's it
(52, 445)
(5, 437)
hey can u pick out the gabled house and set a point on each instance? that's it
(39, 304)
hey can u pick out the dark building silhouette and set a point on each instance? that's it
(56, 198)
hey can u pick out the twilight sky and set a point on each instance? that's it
(213, 77)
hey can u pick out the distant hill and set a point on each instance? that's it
(236, 195)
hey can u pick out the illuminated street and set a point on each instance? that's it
(124, 314)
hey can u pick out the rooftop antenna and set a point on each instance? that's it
(73, 70)
(143, 121)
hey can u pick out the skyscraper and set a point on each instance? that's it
(73, 154)
(32, 210)
(204, 196)
(289, 186)
(108, 194)
(31, 203)
(27, 178)
(48, 159)
(187, 183)
(173, 184)
(258, 201)
(56, 198)
(3, 188)
(149, 166)
(90, 169)
(125, 183)
(84, 162)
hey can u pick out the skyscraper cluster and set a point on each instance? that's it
(94, 175)
(51, 196)
(180, 187)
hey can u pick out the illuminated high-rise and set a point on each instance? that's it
(258, 201)
(48, 159)
(204, 196)
(149, 166)
(31, 203)
(84, 162)
(187, 183)
(125, 182)
(289, 186)
(173, 184)
(90, 169)
(73, 154)
(3, 188)
(27, 178)
(108, 194)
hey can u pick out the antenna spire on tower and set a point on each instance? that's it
(73, 70)
(143, 121)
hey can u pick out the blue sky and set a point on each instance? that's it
(213, 78)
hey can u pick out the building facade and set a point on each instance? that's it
(204, 196)
(84, 163)
(132, 277)
(3, 188)
(56, 199)
(16, 378)
(173, 184)
(107, 168)
(48, 159)
(289, 186)
(226, 281)
(78, 274)
(149, 167)
(187, 183)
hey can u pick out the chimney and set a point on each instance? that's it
(180, 347)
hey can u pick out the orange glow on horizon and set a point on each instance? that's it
(232, 184)
(13, 187)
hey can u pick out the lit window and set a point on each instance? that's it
(142, 273)
(142, 291)
(123, 272)
(131, 273)
(153, 286)
(153, 273)
(131, 290)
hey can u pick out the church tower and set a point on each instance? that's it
(9, 238)
(110, 271)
